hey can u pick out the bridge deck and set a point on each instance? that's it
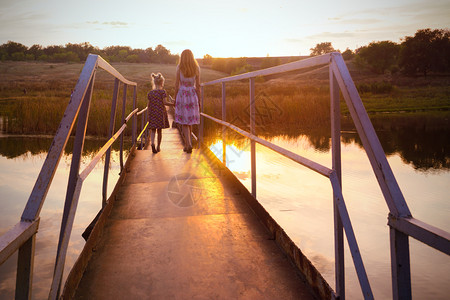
(180, 230)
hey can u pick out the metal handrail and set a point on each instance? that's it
(22, 237)
(401, 223)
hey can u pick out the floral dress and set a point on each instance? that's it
(186, 108)
(157, 113)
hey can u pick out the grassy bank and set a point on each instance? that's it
(33, 96)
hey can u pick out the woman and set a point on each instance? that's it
(187, 91)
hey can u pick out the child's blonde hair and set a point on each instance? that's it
(157, 80)
(188, 65)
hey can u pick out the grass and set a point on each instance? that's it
(33, 96)
(292, 100)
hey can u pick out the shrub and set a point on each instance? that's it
(381, 87)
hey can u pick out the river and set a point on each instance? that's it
(21, 159)
(418, 150)
(300, 200)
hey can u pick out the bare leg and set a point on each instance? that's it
(185, 135)
(185, 129)
(158, 148)
(152, 137)
(190, 135)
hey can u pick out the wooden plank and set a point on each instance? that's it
(11, 241)
(293, 156)
(351, 239)
(432, 236)
(386, 179)
(296, 65)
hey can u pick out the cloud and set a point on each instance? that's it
(356, 21)
(116, 24)
(422, 12)
(331, 35)
(113, 24)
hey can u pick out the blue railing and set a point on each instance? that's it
(401, 222)
(22, 236)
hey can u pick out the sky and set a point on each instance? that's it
(231, 28)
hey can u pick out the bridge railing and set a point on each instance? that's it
(401, 223)
(22, 236)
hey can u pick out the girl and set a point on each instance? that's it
(187, 91)
(157, 114)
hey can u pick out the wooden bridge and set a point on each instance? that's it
(182, 226)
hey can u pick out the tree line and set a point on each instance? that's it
(428, 51)
(79, 52)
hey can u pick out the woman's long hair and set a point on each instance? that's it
(188, 65)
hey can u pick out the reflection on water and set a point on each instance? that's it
(21, 159)
(301, 200)
(422, 140)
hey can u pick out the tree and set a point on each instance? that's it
(268, 62)
(13, 47)
(428, 50)
(322, 48)
(82, 50)
(380, 56)
(163, 55)
(36, 50)
(207, 59)
(51, 50)
(347, 54)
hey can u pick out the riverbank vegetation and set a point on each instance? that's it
(34, 94)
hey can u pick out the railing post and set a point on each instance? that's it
(224, 118)
(336, 165)
(123, 121)
(400, 266)
(73, 174)
(134, 126)
(147, 130)
(252, 131)
(142, 128)
(110, 133)
(25, 265)
(202, 119)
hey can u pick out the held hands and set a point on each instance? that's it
(170, 101)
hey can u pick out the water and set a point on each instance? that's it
(300, 200)
(21, 159)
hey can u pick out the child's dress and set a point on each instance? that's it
(157, 113)
(186, 108)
